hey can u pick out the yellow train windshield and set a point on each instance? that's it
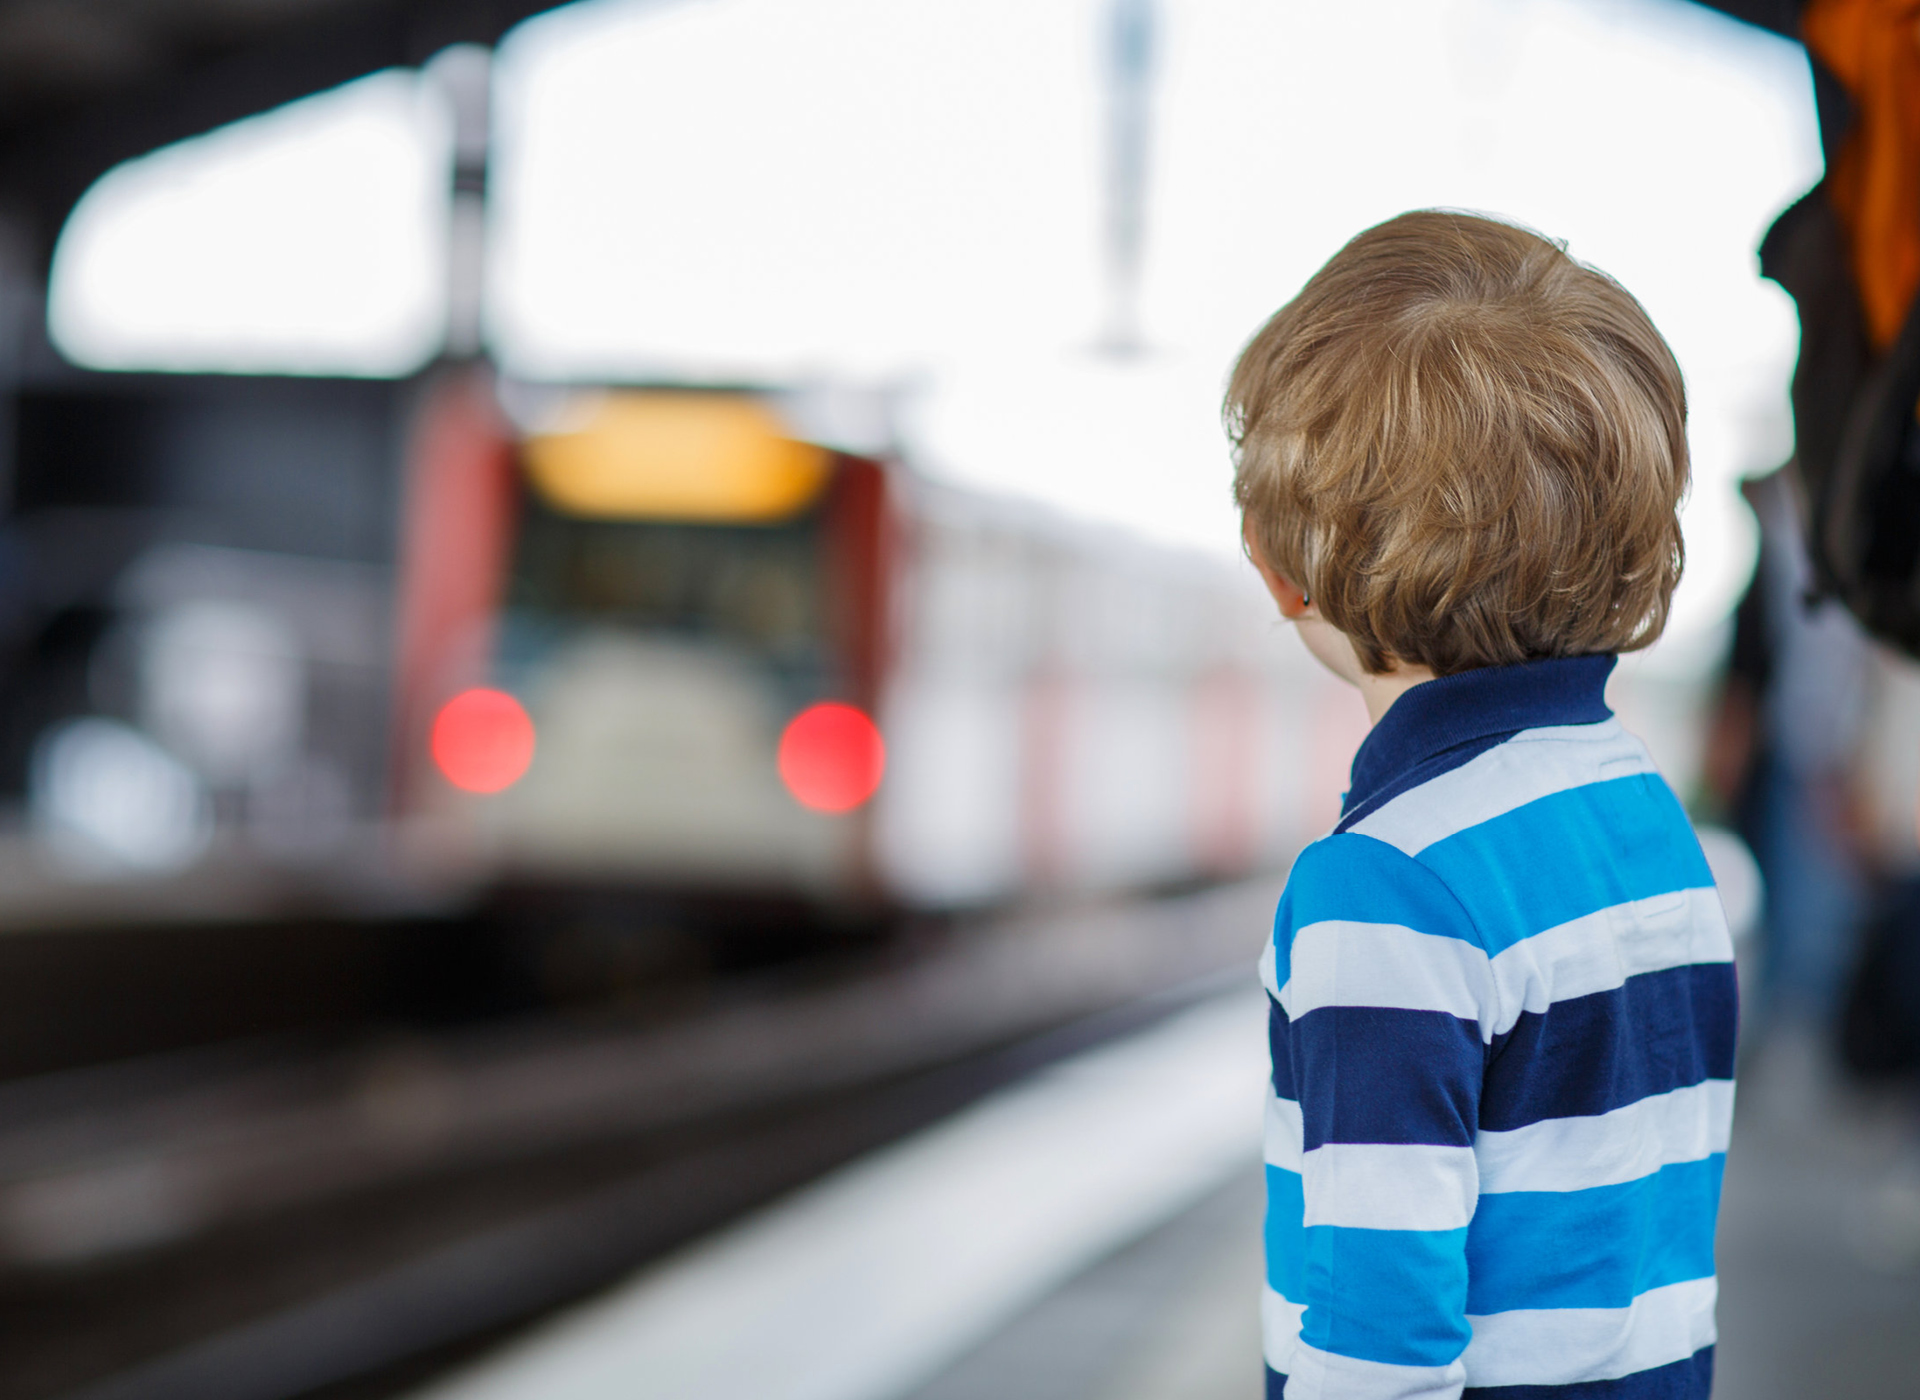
(661, 456)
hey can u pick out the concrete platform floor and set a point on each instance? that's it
(1173, 1316)
(1819, 1235)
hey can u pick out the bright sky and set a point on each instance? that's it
(908, 193)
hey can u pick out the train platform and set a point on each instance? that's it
(936, 1266)
(1819, 1245)
(1092, 1234)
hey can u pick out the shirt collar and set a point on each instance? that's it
(1488, 704)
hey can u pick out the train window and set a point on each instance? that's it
(758, 588)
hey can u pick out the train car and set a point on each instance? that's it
(673, 644)
(280, 648)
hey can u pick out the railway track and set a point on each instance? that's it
(340, 1221)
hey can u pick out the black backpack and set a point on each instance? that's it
(1857, 441)
(1880, 1017)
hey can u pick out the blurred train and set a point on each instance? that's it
(668, 640)
(695, 649)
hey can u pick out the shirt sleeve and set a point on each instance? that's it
(1380, 995)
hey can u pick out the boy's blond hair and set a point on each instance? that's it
(1465, 447)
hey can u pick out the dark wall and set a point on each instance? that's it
(287, 465)
(107, 466)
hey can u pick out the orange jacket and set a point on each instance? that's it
(1873, 48)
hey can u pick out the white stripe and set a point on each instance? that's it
(1574, 1154)
(1558, 1346)
(1390, 1186)
(1279, 1329)
(1285, 1134)
(1337, 962)
(1319, 1375)
(1341, 963)
(1597, 952)
(1673, 930)
(1534, 763)
(1270, 969)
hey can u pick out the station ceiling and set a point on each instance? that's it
(56, 53)
(85, 84)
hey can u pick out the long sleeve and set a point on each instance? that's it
(1379, 988)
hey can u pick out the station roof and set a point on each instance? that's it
(85, 84)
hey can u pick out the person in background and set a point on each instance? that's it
(1780, 752)
(1502, 999)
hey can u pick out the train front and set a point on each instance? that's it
(640, 647)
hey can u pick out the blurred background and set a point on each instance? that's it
(636, 757)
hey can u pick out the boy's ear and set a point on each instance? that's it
(1293, 603)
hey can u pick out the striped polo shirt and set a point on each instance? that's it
(1502, 1014)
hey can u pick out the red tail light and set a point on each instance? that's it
(482, 740)
(831, 757)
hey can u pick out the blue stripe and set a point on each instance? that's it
(1397, 1296)
(1363, 880)
(1588, 1055)
(1276, 1385)
(1598, 1248)
(1380, 1074)
(1568, 854)
(1393, 1296)
(1691, 1379)
(1285, 1230)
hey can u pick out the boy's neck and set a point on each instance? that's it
(1379, 692)
(1331, 647)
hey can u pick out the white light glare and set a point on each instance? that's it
(223, 685)
(109, 802)
(308, 240)
(910, 191)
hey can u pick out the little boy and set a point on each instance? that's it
(1502, 996)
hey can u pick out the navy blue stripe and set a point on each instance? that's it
(1379, 1074)
(1353, 809)
(1588, 1055)
(1568, 854)
(1285, 1084)
(1276, 1385)
(1691, 1379)
(1598, 1248)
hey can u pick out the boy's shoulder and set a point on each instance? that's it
(1552, 864)
(1541, 828)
